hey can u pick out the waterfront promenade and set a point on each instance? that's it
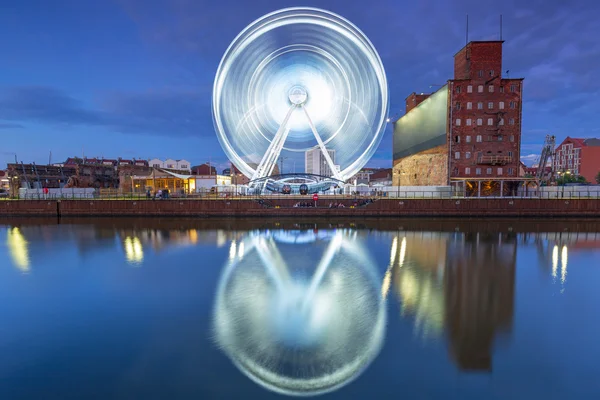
(287, 207)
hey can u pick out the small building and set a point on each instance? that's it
(179, 165)
(155, 179)
(204, 169)
(4, 182)
(381, 177)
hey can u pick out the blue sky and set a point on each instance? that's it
(133, 78)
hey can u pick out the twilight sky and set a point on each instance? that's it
(133, 78)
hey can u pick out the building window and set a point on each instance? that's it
(510, 153)
(478, 139)
(480, 105)
(480, 88)
(468, 121)
(481, 73)
(457, 155)
(457, 139)
(501, 89)
(479, 121)
(469, 105)
(467, 171)
(511, 121)
(458, 89)
(477, 171)
(491, 88)
(500, 138)
(490, 105)
(488, 171)
(499, 171)
(470, 89)
(467, 155)
(510, 171)
(458, 105)
(512, 138)
(457, 121)
(156, 165)
(491, 72)
(501, 122)
(468, 138)
(501, 105)
(512, 104)
(490, 121)
(513, 88)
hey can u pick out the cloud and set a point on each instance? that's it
(178, 112)
(44, 104)
(9, 125)
(530, 159)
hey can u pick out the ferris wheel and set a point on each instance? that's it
(297, 84)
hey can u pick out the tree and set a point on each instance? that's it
(569, 178)
(598, 177)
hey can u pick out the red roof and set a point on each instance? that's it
(577, 142)
(381, 174)
(204, 170)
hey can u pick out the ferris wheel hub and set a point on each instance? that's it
(298, 95)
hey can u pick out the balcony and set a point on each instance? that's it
(494, 160)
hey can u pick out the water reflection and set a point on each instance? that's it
(134, 251)
(300, 312)
(135, 243)
(462, 283)
(17, 248)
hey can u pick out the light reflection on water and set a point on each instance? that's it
(300, 310)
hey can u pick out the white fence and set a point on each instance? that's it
(561, 192)
(411, 192)
(71, 193)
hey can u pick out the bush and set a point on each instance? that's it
(569, 178)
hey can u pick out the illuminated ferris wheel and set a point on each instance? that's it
(299, 81)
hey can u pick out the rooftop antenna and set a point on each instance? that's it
(467, 32)
(500, 26)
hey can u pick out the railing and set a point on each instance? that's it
(324, 199)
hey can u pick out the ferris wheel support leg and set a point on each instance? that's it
(330, 163)
(332, 249)
(267, 163)
(274, 263)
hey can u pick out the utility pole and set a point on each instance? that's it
(281, 158)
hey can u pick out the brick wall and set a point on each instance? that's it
(590, 163)
(427, 168)
(478, 143)
(414, 100)
(478, 56)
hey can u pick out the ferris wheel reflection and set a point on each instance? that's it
(294, 324)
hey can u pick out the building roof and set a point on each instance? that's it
(592, 142)
(577, 142)
(478, 42)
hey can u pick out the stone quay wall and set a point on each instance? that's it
(463, 207)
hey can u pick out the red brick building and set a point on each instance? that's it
(579, 157)
(485, 122)
(470, 128)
